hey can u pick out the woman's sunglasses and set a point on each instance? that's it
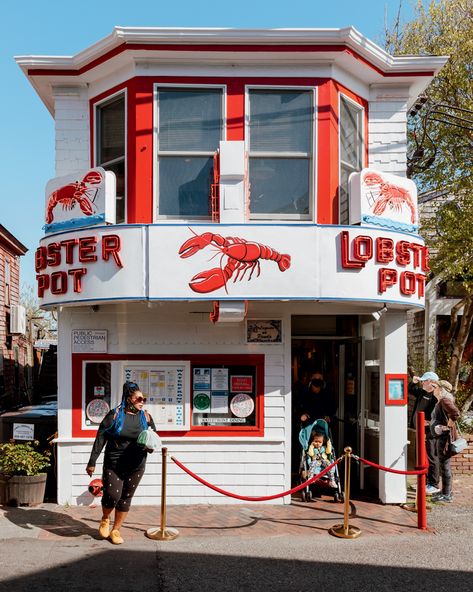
(139, 400)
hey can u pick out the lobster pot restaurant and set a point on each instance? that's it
(231, 214)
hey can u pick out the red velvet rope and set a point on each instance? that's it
(422, 471)
(256, 499)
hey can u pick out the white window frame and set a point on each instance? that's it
(7, 283)
(361, 112)
(194, 86)
(97, 105)
(312, 157)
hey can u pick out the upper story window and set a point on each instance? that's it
(7, 281)
(351, 149)
(190, 127)
(281, 153)
(110, 146)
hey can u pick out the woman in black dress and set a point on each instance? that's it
(124, 459)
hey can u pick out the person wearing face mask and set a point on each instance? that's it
(422, 387)
(318, 402)
(124, 459)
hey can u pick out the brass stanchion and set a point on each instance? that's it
(345, 531)
(162, 533)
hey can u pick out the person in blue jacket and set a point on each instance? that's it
(124, 459)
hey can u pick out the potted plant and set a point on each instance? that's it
(22, 471)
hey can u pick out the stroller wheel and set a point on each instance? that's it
(304, 495)
(338, 497)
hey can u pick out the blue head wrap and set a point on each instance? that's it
(128, 389)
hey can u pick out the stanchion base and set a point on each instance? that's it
(352, 532)
(158, 534)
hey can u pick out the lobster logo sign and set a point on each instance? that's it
(237, 257)
(78, 200)
(384, 200)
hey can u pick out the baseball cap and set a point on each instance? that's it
(429, 376)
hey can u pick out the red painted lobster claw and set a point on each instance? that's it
(195, 244)
(208, 281)
(93, 178)
(86, 207)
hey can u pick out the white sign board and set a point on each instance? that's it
(265, 262)
(84, 198)
(383, 199)
(166, 386)
(23, 431)
(89, 341)
(103, 263)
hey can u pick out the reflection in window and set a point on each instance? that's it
(189, 132)
(97, 400)
(351, 150)
(281, 153)
(110, 147)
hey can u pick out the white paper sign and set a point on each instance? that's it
(23, 431)
(167, 387)
(89, 341)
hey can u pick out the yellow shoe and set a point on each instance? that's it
(116, 537)
(104, 528)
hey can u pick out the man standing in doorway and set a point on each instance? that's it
(319, 402)
(422, 388)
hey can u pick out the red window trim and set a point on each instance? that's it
(397, 402)
(140, 121)
(195, 359)
(222, 48)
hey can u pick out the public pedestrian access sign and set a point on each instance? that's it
(85, 341)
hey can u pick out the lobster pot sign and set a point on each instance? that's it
(84, 198)
(383, 200)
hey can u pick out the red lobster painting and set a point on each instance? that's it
(242, 255)
(390, 195)
(78, 192)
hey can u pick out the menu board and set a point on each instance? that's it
(224, 396)
(165, 387)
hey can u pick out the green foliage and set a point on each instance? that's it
(444, 127)
(22, 459)
(450, 238)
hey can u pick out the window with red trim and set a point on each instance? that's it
(351, 149)
(110, 145)
(223, 396)
(281, 153)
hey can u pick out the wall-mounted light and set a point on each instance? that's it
(379, 313)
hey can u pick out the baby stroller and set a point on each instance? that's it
(331, 484)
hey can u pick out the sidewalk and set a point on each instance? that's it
(52, 522)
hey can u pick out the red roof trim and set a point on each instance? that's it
(223, 48)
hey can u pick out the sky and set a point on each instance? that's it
(56, 28)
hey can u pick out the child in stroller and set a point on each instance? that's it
(318, 454)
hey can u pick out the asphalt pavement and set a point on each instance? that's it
(229, 548)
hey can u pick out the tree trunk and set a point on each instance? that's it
(461, 341)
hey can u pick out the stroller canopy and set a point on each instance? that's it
(319, 425)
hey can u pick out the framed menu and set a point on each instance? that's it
(166, 388)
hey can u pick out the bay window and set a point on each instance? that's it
(281, 153)
(190, 127)
(110, 145)
(351, 150)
